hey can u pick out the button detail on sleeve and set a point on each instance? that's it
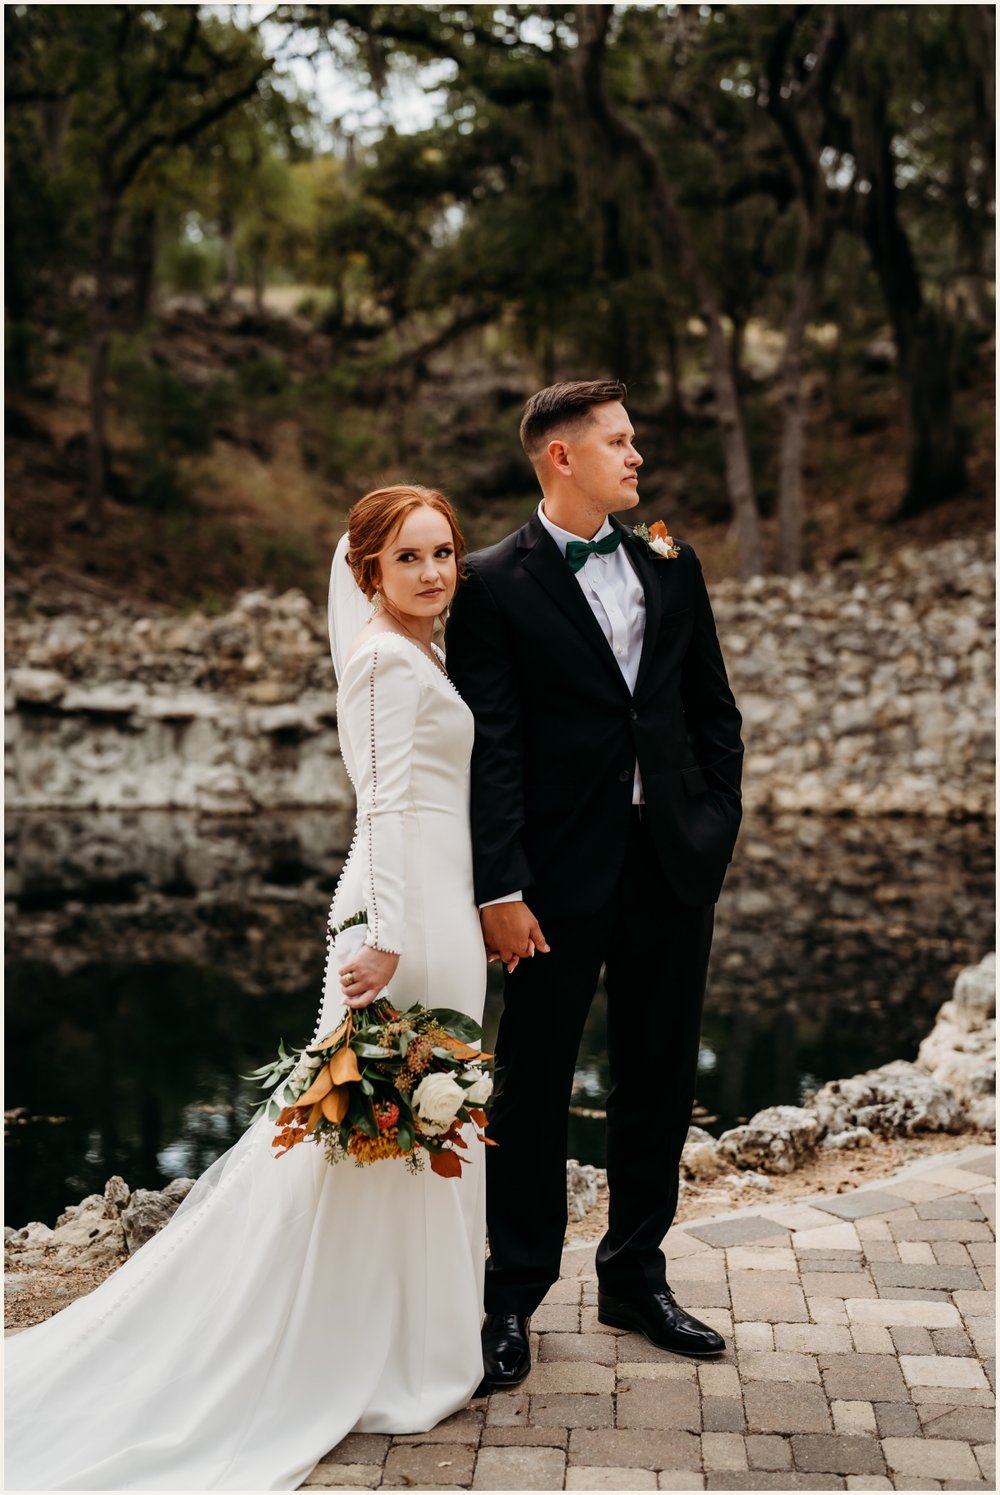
(624, 776)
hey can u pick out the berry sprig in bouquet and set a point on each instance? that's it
(384, 1084)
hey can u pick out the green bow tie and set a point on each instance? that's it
(578, 551)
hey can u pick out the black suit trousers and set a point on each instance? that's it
(654, 950)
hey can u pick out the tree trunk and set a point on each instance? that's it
(143, 254)
(107, 219)
(627, 136)
(935, 467)
(788, 553)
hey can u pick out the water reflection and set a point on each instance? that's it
(153, 958)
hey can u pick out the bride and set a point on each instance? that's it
(289, 1301)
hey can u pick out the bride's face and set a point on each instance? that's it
(418, 572)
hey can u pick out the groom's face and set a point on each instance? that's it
(603, 458)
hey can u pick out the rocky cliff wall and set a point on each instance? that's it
(867, 694)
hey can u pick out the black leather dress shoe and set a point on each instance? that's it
(663, 1322)
(506, 1352)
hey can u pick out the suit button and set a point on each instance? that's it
(624, 776)
(634, 715)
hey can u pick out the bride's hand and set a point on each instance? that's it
(365, 974)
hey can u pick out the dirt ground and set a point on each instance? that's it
(34, 1293)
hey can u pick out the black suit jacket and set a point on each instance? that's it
(558, 732)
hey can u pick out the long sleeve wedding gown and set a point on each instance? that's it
(290, 1301)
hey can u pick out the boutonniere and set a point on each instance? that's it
(659, 542)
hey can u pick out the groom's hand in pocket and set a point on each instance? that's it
(511, 931)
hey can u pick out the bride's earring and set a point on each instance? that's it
(376, 603)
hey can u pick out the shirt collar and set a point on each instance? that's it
(562, 537)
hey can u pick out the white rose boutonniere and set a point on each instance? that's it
(480, 1089)
(657, 539)
(438, 1098)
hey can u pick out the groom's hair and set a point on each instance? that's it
(561, 406)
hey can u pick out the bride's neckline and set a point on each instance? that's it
(437, 659)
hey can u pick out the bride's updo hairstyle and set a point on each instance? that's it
(374, 519)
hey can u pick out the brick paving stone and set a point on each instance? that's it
(737, 1231)
(460, 1427)
(943, 1370)
(838, 1285)
(941, 1230)
(931, 1458)
(591, 1324)
(722, 1414)
(818, 1261)
(837, 1453)
(868, 1482)
(563, 1291)
(827, 1310)
(916, 1189)
(680, 1243)
(947, 1342)
(596, 1349)
(872, 1339)
(633, 1349)
(975, 1304)
(507, 1409)
(632, 1448)
(795, 1216)
(759, 1480)
(959, 1396)
(839, 1237)
(988, 1277)
(882, 1251)
(963, 1254)
(660, 1404)
(520, 1469)
(970, 1424)
(664, 1368)
(563, 1318)
(571, 1409)
(711, 1267)
(578, 1478)
(874, 1229)
(699, 1295)
(863, 1202)
(986, 1455)
(956, 1179)
(789, 1407)
(751, 1336)
(812, 1339)
(359, 1448)
(719, 1319)
(722, 1451)
(524, 1437)
(888, 1274)
(911, 1339)
(919, 1294)
(761, 1259)
(853, 1417)
(916, 1253)
(778, 1365)
(344, 1477)
(428, 1465)
(986, 1165)
(866, 1378)
(886, 1311)
(982, 1332)
(568, 1375)
(768, 1451)
(951, 1207)
(767, 1302)
(680, 1479)
(718, 1380)
(896, 1420)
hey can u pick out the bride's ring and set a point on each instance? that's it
(348, 978)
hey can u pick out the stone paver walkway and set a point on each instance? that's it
(861, 1344)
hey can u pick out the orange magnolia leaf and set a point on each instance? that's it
(315, 1116)
(478, 1115)
(334, 1105)
(446, 1164)
(331, 1038)
(658, 531)
(459, 1140)
(319, 1087)
(343, 1067)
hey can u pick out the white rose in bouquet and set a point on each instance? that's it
(438, 1098)
(480, 1089)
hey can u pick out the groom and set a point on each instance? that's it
(605, 807)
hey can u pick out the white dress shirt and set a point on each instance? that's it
(618, 602)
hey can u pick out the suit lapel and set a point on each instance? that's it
(544, 560)
(646, 569)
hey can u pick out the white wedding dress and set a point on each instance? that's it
(290, 1301)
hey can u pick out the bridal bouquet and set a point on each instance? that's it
(384, 1084)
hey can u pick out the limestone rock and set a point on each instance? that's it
(777, 1140)
(178, 1188)
(897, 1099)
(975, 993)
(91, 1238)
(147, 1211)
(582, 1183)
(855, 1136)
(960, 1050)
(116, 1193)
(700, 1157)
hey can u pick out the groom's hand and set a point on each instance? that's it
(511, 931)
